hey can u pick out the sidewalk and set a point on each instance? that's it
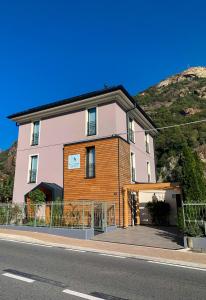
(182, 257)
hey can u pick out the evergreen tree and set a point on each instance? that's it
(192, 180)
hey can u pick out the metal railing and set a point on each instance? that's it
(91, 128)
(194, 218)
(72, 214)
(32, 176)
(35, 139)
(131, 135)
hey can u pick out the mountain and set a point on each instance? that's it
(7, 162)
(177, 99)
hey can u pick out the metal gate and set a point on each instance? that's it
(104, 215)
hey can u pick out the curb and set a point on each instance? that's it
(30, 241)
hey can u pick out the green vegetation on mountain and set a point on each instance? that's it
(176, 100)
(7, 169)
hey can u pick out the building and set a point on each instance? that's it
(87, 146)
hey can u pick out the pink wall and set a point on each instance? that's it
(139, 148)
(55, 132)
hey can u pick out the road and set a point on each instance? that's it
(33, 272)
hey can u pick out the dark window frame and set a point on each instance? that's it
(35, 136)
(33, 172)
(91, 125)
(90, 167)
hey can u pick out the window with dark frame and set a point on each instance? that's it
(92, 121)
(133, 171)
(33, 169)
(35, 134)
(131, 130)
(148, 172)
(90, 162)
(147, 142)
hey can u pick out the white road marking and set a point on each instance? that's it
(18, 277)
(176, 265)
(76, 250)
(27, 243)
(111, 255)
(81, 295)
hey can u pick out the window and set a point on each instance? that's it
(133, 171)
(148, 172)
(131, 130)
(35, 134)
(147, 142)
(90, 162)
(91, 121)
(33, 169)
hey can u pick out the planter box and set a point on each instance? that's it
(85, 234)
(195, 243)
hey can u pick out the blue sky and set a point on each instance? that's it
(51, 50)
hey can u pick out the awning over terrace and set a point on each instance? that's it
(135, 188)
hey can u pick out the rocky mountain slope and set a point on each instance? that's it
(178, 99)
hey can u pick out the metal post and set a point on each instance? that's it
(51, 213)
(183, 213)
(92, 215)
(105, 214)
(7, 215)
(83, 216)
(35, 215)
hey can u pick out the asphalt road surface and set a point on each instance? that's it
(37, 272)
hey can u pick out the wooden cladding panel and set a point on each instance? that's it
(111, 173)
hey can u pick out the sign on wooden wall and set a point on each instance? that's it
(74, 161)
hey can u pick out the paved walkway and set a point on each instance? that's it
(158, 237)
(141, 252)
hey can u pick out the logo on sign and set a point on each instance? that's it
(74, 161)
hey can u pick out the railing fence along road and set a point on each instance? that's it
(72, 214)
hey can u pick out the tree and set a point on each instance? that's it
(6, 189)
(192, 180)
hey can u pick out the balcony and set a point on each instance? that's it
(90, 170)
(35, 139)
(91, 128)
(32, 176)
(133, 175)
(131, 135)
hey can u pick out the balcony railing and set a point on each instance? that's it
(133, 175)
(131, 135)
(90, 170)
(35, 139)
(32, 176)
(91, 128)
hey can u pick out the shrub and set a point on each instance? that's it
(37, 197)
(159, 212)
